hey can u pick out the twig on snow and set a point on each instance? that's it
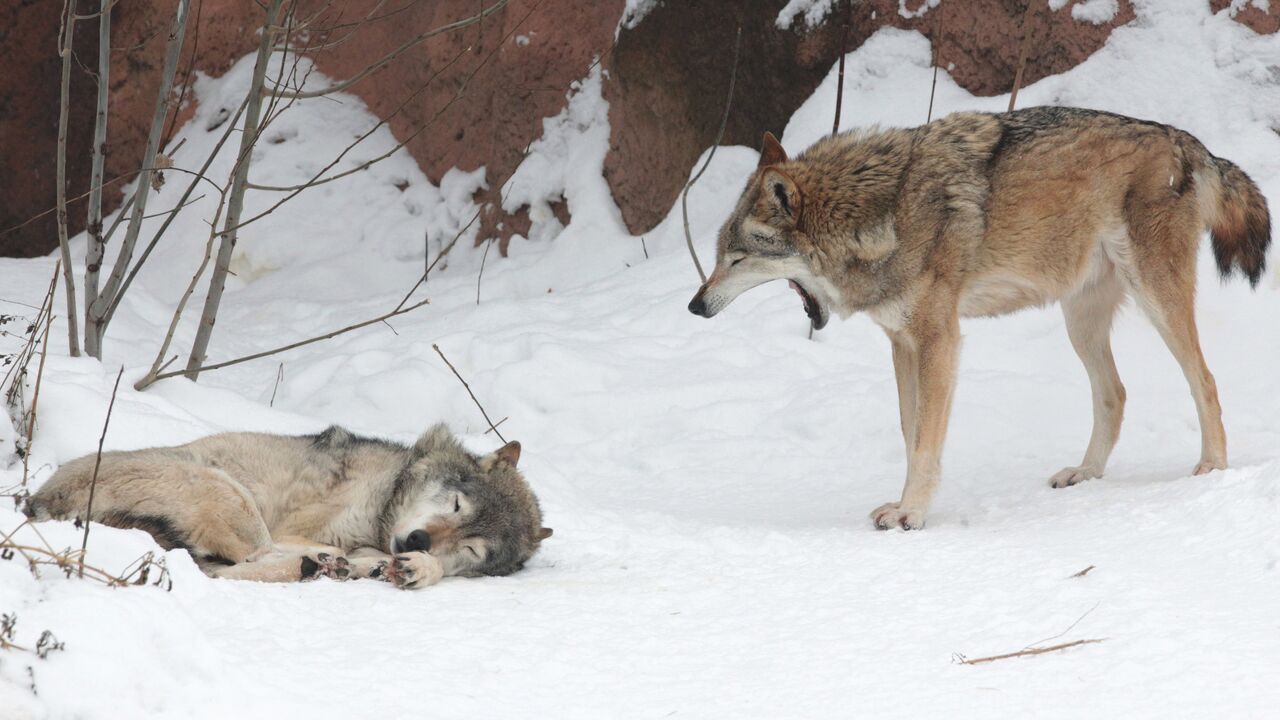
(1024, 653)
(1083, 572)
(492, 426)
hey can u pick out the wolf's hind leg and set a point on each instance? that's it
(1089, 313)
(1166, 284)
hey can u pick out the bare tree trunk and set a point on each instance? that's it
(93, 259)
(176, 32)
(235, 201)
(68, 29)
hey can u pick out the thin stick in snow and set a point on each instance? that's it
(1024, 653)
(492, 427)
(97, 463)
(684, 196)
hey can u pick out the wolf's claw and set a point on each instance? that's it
(1068, 476)
(890, 515)
(414, 570)
(324, 564)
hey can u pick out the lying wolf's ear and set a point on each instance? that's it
(544, 533)
(508, 453)
(771, 152)
(783, 193)
(435, 438)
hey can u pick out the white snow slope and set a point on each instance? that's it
(708, 481)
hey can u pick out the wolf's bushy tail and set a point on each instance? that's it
(1239, 225)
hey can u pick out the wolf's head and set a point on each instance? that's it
(764, 239)
(477, 515)
(823, 221)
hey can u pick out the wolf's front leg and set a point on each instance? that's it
(936, 344)
(409, 571)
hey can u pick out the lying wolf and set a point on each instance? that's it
(278, 508)
(981, 215)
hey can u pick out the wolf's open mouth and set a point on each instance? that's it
(811, 306)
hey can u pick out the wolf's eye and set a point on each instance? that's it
(457, 506)
(474, 553)
(735, 262)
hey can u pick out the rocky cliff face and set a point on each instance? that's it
(492, 83)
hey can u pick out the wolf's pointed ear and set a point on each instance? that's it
(783, 193)
(435, 438)
(544, 533)
(508, 453)
(771, 152)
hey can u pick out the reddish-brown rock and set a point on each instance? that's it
(666, 83)
(1255, 18)
(670, 75)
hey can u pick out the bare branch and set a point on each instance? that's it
(684, 196)
(93, 257)
(145, 382)
(176, 32)
(492, 427)
(235, 203)
(64, 110)
(97, 463)
(155, 239)
(35, 398)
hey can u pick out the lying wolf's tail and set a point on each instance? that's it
(1237, 219)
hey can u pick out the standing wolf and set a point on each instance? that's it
(981, 215)
(278, 508)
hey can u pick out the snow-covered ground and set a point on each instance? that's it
(708, 481)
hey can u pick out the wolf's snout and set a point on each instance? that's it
(698, 306)
(418, 541)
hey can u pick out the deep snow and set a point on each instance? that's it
(708, 481)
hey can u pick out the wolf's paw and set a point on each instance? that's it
(1068, 476)
(891, 515)
(325, 565)
(1204, 467)
(414, 570)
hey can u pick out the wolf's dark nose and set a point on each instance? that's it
(418, 541)
(697, 306)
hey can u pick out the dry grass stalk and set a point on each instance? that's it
(97, 463)
(724, 120)
(1022, 53)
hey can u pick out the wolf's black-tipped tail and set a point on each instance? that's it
(1241, 227)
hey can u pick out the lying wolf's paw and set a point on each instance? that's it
(890, 515)
(414, 570)
(1068, 476)
(325, 565)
